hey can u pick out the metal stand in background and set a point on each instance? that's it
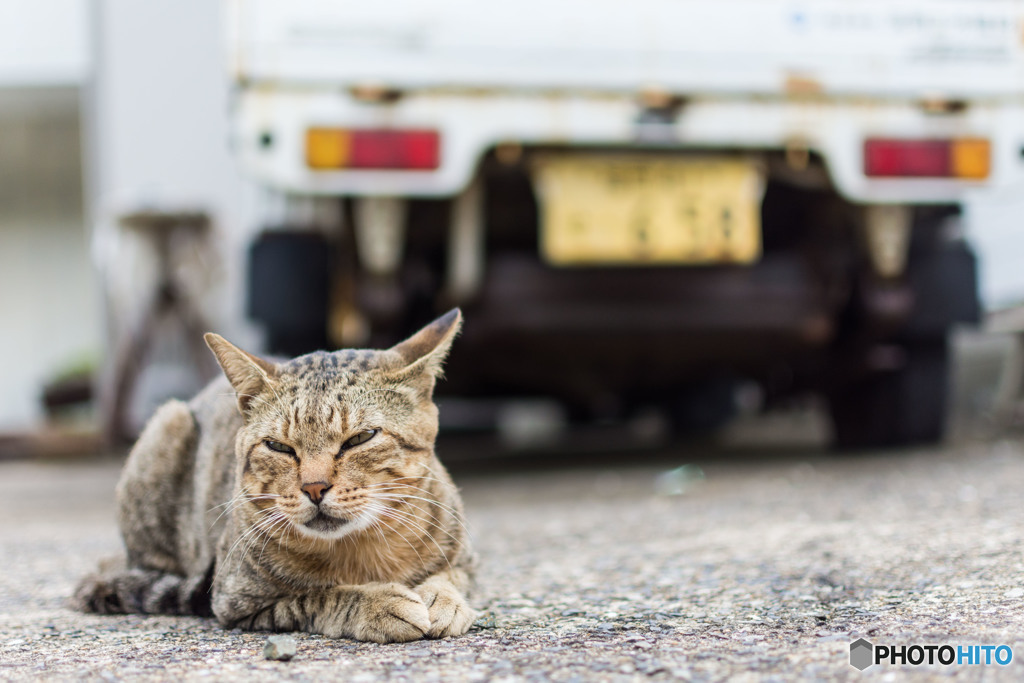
(170, 233)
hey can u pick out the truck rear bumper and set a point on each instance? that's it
(271, 123)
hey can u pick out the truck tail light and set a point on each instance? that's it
(965, 158)
(406, 150)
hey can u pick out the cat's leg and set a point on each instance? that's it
(444, 595)
(152, 580)
(378, 612)
(153, 482)
(126, 590)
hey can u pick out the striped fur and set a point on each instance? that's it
(215, 520)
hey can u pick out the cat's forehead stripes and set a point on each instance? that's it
(319, 363)
(323, 372)
(327, 396)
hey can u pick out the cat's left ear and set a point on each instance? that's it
(426, 350)
(248, 374)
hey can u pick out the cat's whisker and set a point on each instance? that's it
(432, 476)
(238, 501)
(244, 537)
(241, 538)
(233, 500)
(266, 527)
(382, 512)
(280, 520)
(400, 481)
(254, 531)
(243, 491)
(269, 512)
(375, 525)
(428, 521)
(432, 502)
(445, 485)
(223, 564)
(454, 514)
(254, 535)
(392, 485)
(392, 513)
(450, 510)
(289, 530)
(378, 522)
(397, 484)
(381, 522)
(232, 505)
(446, 482)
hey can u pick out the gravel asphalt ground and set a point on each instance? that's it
(760, 567)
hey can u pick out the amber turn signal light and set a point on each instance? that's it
(964, 158)
(386, 149)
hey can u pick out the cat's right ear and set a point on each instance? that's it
(248, 374)
(428, 348)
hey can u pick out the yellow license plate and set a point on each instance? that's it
(640, 210)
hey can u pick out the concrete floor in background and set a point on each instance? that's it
(761, 567)
(758, 558)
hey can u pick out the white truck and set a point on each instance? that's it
(636, 201)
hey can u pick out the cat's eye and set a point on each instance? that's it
(279, 447)
(361, 437)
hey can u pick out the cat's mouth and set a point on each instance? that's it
(325, 523)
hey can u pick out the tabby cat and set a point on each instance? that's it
(308, 498)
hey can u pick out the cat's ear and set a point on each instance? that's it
(426, 350)
(248, 374)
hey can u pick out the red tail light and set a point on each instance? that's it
(410, 150)
(966, 158)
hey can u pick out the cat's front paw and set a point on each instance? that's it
(391, 613)
(450, 614)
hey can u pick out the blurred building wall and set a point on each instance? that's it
(158, 130)
(48, 301)
(44, 42)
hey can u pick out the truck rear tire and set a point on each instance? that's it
(906, 406)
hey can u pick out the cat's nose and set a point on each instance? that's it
(316, 490)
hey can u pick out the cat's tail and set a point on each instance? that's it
(142, 591)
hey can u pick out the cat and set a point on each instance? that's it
(302, 495)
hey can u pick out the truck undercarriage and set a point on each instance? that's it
(812, 314)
